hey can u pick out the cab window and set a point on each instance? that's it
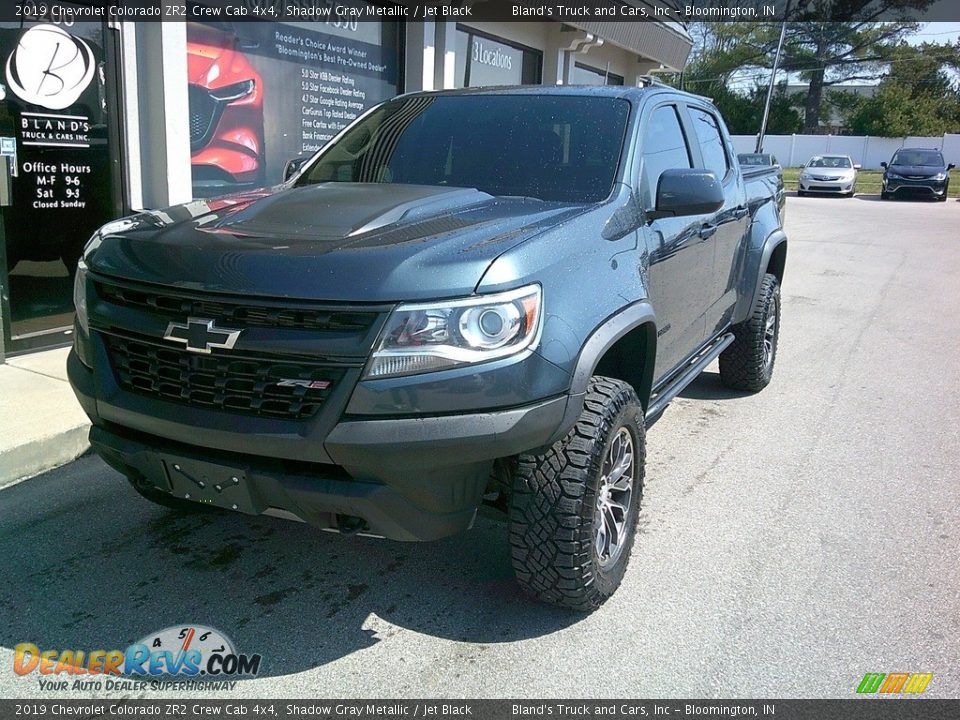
(712, 149)
(664, 147)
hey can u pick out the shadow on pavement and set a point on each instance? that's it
(90, 565)
(899, 198)
(708, 387)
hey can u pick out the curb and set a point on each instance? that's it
(25, 461)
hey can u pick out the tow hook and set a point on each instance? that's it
(350, 524)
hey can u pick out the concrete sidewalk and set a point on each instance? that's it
(41, 423)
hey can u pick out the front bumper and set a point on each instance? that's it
(928, 187)
(827, 186)
(414, 478)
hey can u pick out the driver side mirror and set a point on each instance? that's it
(883, 165)
(686, 191)
(290, 169)
(950, 166)
(858, 166)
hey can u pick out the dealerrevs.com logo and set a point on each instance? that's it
(183, 651)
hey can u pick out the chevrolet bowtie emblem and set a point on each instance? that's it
(201, 335)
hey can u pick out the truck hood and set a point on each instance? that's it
(349, 242)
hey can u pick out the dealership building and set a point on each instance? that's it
(149, 114)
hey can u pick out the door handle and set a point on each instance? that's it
(707, 230)
(741, 212)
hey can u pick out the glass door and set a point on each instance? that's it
(59, 125)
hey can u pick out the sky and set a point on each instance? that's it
(934, 32)
(938, 32)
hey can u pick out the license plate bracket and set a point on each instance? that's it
(211, 484)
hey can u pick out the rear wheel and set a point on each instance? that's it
(747, 364)
(574, 507)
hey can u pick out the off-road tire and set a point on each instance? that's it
(555, 500)
(745, 365)
(165, 499)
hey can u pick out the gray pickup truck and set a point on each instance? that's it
(468, 298)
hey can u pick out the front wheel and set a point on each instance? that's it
(747, 364)
(946, 190)
(574, 507)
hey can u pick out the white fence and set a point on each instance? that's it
(866, 150)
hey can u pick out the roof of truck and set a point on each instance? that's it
(614, 91)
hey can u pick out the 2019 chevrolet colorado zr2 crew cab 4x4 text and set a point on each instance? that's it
(469, 296)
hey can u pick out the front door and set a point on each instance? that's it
(727, 227)
(679, 257)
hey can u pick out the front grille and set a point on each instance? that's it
(236, 384)
(204, 112)
(240, 314)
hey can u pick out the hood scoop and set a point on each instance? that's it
(343, 210)
(414, 210)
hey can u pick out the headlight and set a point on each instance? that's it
(893, 176)
(81, 335)
(939, 177)
(229, 93)
(80, 296)
(435, 336)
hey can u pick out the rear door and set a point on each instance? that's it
(725, 231)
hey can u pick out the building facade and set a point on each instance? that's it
(146, 115)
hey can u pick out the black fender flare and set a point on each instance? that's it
(613, 329)
(755, 272)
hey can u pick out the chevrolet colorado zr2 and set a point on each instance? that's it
(469, 297)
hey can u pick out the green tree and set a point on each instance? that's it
(853, 45)
(917, 97)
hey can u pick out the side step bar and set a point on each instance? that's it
(660, 401)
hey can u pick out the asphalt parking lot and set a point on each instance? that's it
(790, 541)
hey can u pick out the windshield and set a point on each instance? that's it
(830, 161)
(918, 157)
(562, 148)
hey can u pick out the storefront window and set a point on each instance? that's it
(582, 74)
(482, 60)
(57, 129)
(263, 93)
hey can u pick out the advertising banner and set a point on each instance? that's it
(263, 93)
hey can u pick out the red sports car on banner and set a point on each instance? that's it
(226, 112)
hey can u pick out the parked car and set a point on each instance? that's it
(916, 171)
(476, 296)
(757, 159)
(828, 174)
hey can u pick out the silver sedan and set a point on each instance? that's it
(828, 174)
